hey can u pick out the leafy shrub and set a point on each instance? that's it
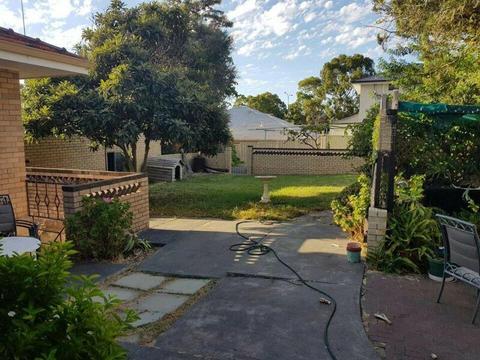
(351, 206)
(413, 232)
(103, 230)
(46, 315)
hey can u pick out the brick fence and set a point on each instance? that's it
(271, 161)
(54, 194)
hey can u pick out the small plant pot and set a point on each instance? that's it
(435, 269)
(354, 250)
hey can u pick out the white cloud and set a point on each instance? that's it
(354, 12)
(355, 37)
(302, 50)
(10, 19)
(277, 21)
(309, 17)
(66, 38)
(328, 5)
(243, 9)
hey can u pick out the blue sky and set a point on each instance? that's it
(277, 42)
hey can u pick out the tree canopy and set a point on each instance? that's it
(161, 70)
(265, 102)
(445, 37)
(329, 96)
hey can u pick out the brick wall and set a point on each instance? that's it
(326, 142)
(12, 158)
(71, 153)
(301, 162)
(56, 193)
(131, 189)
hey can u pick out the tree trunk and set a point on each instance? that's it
(134, 157)
(129, 166)
(145, 156)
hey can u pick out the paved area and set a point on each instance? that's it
(102, 269)
(256, 311)
(421, 327)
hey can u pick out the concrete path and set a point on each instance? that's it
(256, 311)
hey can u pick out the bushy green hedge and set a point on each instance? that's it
(351, 206)
(103, 230)
(45, 314)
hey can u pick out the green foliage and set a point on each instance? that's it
(447, 152)
(444, 36)
(331, 95)
(235, 159)
(351, 206)
(362, 138)
(413, 233)
(266, 102)
(46, 315)
(322, 99)
(103, 230)
(152, 73)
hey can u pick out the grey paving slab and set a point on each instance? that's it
(159, 302)
(140, 281)
(148, 317)
(246, 318)
(183, 286)
(102, 269)
(121, 293)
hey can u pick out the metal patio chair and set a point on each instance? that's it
(8, 222)
(462, 254)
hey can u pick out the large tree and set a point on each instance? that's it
(329, 96)
(161, 70)
(444, 36)
(265, 102)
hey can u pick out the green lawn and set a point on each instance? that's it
(236, 197)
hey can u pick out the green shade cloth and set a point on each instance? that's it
(442, 111)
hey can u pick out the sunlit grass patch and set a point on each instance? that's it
(237, 197)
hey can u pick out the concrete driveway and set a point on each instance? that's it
(256, 311)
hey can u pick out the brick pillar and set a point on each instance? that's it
(12, 156)
(249, 160)
(376, 226)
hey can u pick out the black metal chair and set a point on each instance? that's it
(8, 222)
(462, 254)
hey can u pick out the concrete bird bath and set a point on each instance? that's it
(266, 193)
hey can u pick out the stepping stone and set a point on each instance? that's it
(140, 281)
(121, 293)
(160, 303)
(147, 317)
(184, 286)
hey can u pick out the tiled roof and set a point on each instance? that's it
(368, 79)
(11, 36)
(251, 124)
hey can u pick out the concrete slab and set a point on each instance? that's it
(102, 269)
(140, 281)
(246, 318)
(121, 293)
(183, 286)
(148, 317)
(310, 244)
(159, 302)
